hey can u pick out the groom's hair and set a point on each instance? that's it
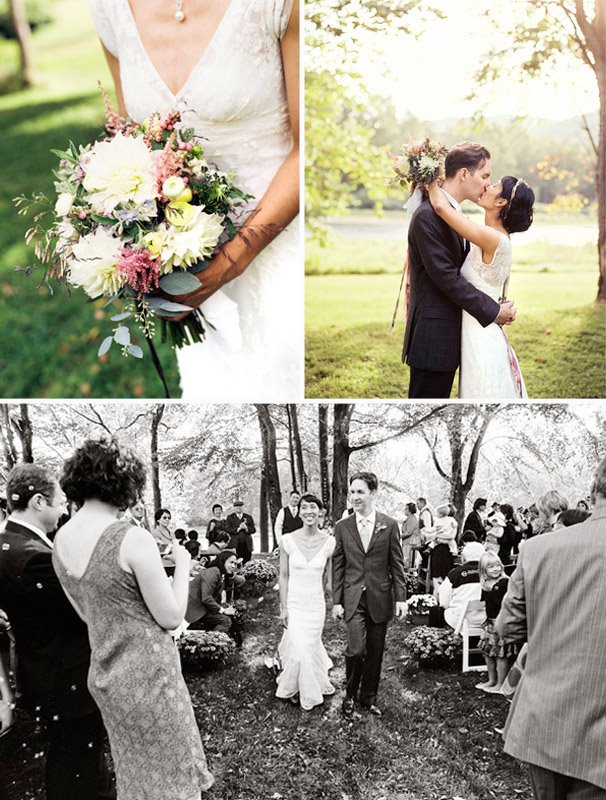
(465, 155)
(369, 478)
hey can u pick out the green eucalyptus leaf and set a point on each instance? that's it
(121, 316)
(135, 350)
(122, 335)
(105, 345)
(179, 283)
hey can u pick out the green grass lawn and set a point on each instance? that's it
(351, 288)
(49, 343)
(437, 738)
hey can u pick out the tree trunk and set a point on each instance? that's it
(264, 516)
(340, 461)
(8, 443)
(324, 462)
(155, 464)
(291, 448)
(301, 474)
(270, 462)
(25, 434)
(601, 182)
(23, 33)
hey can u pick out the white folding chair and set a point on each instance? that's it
(468, 628)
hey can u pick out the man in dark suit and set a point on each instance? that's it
(368, 571)
(438, 292)
(474, 520)
(53, 652)
(555, 601)
(241, 527)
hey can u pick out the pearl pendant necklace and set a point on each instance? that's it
(179, 13)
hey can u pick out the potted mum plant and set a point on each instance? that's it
(418, 608)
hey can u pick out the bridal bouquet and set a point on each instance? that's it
(138, 214)
(419, 164)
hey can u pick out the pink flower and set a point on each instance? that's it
(140, 270)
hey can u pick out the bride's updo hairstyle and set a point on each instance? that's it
(517, 215)
(311, 498)
(101, 470)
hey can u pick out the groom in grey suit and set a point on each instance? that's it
(557, 602)
(368, 571)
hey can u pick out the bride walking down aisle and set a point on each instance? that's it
(305, 569)
(231, 69)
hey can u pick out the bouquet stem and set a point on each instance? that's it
(158, 366)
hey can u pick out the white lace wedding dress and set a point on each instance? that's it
(304, 658)
(235, 100)
(489, 367)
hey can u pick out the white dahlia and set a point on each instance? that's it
(93, 266)
(183, 248)
(118, 172)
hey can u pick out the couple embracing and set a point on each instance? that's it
(365, 565)
(458, 277)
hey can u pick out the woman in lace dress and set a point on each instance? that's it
(489, 367)
(305, 569)
(231, 68)
(112, 573)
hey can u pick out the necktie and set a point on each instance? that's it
(365, 532)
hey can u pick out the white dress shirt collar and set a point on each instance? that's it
(452, 201)
(371, 518)
(38, 531)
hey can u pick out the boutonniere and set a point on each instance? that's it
(381, 527)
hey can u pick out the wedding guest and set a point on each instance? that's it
(555, 602)
(220, 543)
(572, 516)
(498, 655)
(549, 506)
(409, 535)
(162, 533)
(112, 573)
(192, 545)
(288, 518)
(180, 536)
(216, 524)
(136, 513)
(52, 647)
(241, 527)
(475, 519)
(509, 538)
(441, 538)
(425, 514)
(460, 585)
(204, 609)
(584, 505)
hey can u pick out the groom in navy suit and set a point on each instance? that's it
(438, 292)
(53, 651)
(368, 573)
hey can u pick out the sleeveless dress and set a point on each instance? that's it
(304, 658)
(135, 679)
(235, 100)
(489, 367)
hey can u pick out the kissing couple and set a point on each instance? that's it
(458, 271)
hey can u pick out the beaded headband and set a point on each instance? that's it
(513, 194)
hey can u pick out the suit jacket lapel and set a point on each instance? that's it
(355, 534)
(377, 530)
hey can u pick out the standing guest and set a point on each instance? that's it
(584, 505)
(136, 513)
(368, 572)
(204, 609)
(113, 575)
(53, 651)
(442, 545)
(498, 655)
(241, 527)
(475, 519)
(305, 568)
(410, 535)
(288, 519)
(549, 506)
(216, 524)
(425, 514)
(555, 602)
(572, 516)
(509, 538)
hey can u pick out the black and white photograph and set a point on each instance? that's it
(282, 601)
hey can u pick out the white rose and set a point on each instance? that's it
(64, 204)
(173, 187)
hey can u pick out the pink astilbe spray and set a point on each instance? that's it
(169, 161)
(141, 271)
(114, 123)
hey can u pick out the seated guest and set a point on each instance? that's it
(460, 585)
(572, 516)
(549, 506)
(220, 543)
(180, 535)
(191, 544)
(204, 609)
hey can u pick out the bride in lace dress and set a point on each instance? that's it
(489, 367)
(305, 568)
(231, 68)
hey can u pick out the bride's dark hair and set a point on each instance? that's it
(517, 215)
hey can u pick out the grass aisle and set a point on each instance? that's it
(351, 287)
(436, 740)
